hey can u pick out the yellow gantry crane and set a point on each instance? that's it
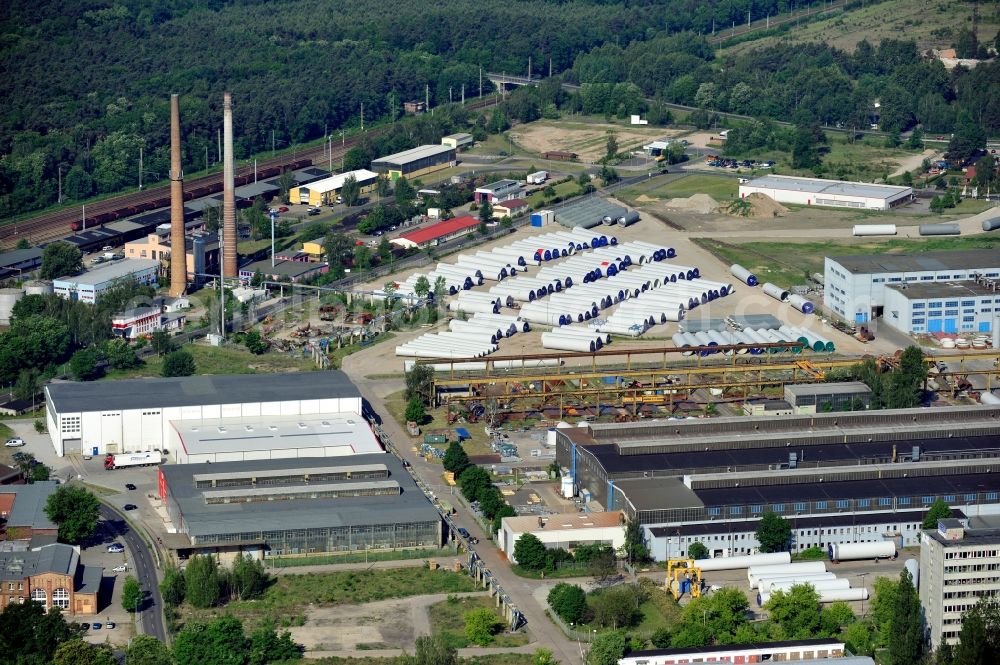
(683, 576)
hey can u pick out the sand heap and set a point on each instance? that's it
(700, 203)
(762, 205)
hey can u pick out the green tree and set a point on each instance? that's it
(23, 244)
(568, 601)
(178, 363)
(635, 550)
(978, 643)
(405, 193)
(916, 140)
(945, 654)
(422, 286)
(939, 510)
(906, 643)
(362, 257)
(485, 212)
(385, 249)
(415, 411)
(882, 608)
(504, 511)
(119, 354)
(474, 482)
(218, 642)
(433, 650)
(75, 510)
(617, 607)
(611, 147)
(968, 139)
(248, 580)
(608, 175)
(27, 384)
(804, 152)
(285, 183)
(697, 551)
(456, 459)
(420, 383)
(350, 191)
(382, 185)
(202, 582)
(147, 650)
(267, 646)
(529, 552)
(255, 343)
(543, 656)
(607, 648)
(173, 587)
(835, 617)
(78, 652)
(795, 613)
(773, 533)
(60, 259)
(84, 364)
(29, 635)
(132, 594)
(860, 638)
(481, 624)
(161, 343)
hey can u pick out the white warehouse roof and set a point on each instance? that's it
(334, 183)
(820, 186)
(339, 434)
(116, 270)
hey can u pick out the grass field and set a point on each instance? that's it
(447, 620)
(563, 189)
(399, 555)
(284, 600)
(718, 187)
(223, 360)
(788, 263)
(492, 659)
(659, 610)
(479, 444)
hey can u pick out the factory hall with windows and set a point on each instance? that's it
(837, 478)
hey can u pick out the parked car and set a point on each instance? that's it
(15, 442)
(130, 506)
(97, 626)
(116, 548)
(313, 212)
(129, 486)
(120, 569)
(110, 625)
(283, 209)
(85, 626)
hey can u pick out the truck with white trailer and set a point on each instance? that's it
(126, 460)
(537, 178)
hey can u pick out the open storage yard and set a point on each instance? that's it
(587, 139)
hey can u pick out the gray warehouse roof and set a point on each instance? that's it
(412, 155)
(968, 259)
(410, 506)
(29, 504)
(838, 388)
(920, 290)
(588, 213)
(116, 270)
(20, 256)
(220, 435)
(819, 186)
(72, 397)
(55, 558)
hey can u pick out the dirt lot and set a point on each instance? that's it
(385, 624)
(588, 140)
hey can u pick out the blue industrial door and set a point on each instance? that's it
(951, 325)
(861, 317)
(984, 326)
(934, 325)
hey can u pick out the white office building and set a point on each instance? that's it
(834, 193)
(854, 286)
(948, 307)
(566, 531)
(89, 286)
(135, 415)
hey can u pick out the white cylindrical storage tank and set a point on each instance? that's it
(473, 306)
(830, 596)
(747, 561)
(8, 298)
(801, 304)
(819, 585)
(775, 292)
(991, 224)
(940, 230)
(37, 288)
(852, 551)
(742, 274)
(874, 230)
(566, 486)
(913, 566)
(568, 343)
(681, 341)
(764, 583)
(803, 567)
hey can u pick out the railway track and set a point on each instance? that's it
(56, 224)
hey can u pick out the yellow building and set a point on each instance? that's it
(325, 191)
(202, 252)
(416, 162)
(314, 250)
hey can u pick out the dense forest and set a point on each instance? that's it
(87, 81)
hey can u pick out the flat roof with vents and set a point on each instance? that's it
(321, 490)
(564, 521)
(304, 472)
(337, 434)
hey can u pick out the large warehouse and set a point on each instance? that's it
(298, 506)
(854, 286)
(950, 307)
(838, 478)
(838, 193)
(325, 191)
(89, 286)
(134, 415)
(416, 162)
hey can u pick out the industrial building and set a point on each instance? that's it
(806, 398)
(89, 286)
(22, 507)
(854, 286)
(201, 252)
(297, 506)
(949, 307)
(837, 193)
(416, 162)
(458, 141)
(958, 567)
(288, 271)
(136, 415)
(51, 575)
(838, 478)
(325, 191)
(566, 531)
(589, 212)
(501, 190)
(20, 261)
(825, 650)
(435, 234)
(143, 321)
(269, 438)
(510, 208)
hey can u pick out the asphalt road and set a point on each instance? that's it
(150, 618)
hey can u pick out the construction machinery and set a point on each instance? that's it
(683, 576)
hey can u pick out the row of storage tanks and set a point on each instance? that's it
(476, 337)
(924, 229)
(751, 338)
(781, 295)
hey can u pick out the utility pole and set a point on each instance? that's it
(550, 66)
(450, 100)
(427, 97)
(529, 67)
(140, 170)
(343, 149)
(362, 116)
(83, 215)
(59, 171)
(273, 215)
(272, 143)
(206, 157)
(218, 139)
(480, 80)
(329, 144)
(748, 19)
(463, 94)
